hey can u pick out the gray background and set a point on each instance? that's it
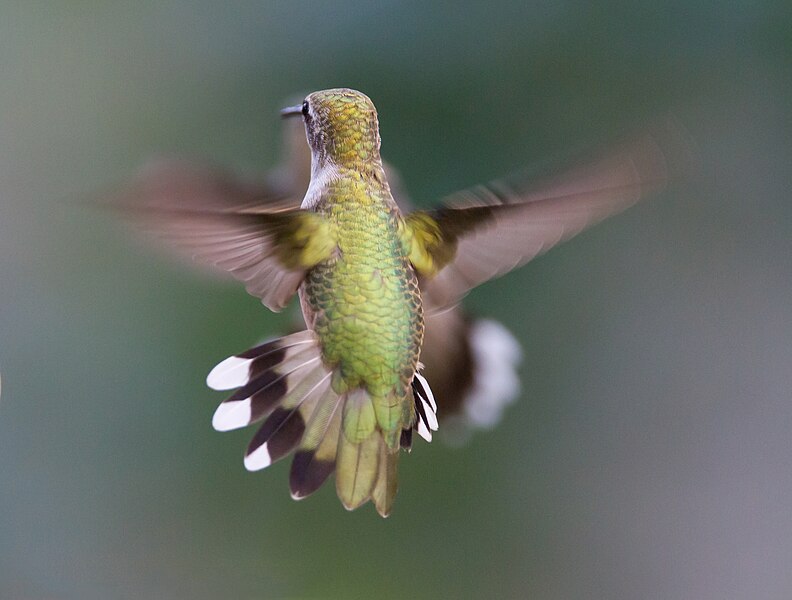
(649, 455)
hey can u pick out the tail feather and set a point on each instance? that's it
(266, 376)
(425, 408)
(356, 470)
(384, 492)
(406, 439)
(261, 396)
(359, 420)
(472, 367)
(283, 430)
(238, 370)
(318, 424)
(286, 382)
(312, 465)
(389, 414)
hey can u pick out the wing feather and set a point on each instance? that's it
(489, 230)
(247, 229)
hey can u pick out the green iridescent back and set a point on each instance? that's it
(364, 303)
(366, 300)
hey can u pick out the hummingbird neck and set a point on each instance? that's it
(325, 171)
(350, 152)
(329, 167)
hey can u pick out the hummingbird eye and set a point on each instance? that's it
(305, 108)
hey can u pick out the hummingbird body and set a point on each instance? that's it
(345, 391)
(364, 304)
(345, 395)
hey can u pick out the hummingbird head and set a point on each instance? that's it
(341, 127)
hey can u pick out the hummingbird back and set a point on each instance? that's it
(344, 393)
(365, 306)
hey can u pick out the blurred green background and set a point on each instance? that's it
(649, 455)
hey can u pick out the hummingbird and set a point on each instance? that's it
(469, 362)
(346, 394)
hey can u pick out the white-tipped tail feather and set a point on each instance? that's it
(258, 459)
(429, 395)
(425, 407)
(286, 384)
(496, 355)
(232, 415)
(241, 412)
(285, 428)
(232, 373)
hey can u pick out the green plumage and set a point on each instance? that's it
(366, 303)
(363, 302)
(342, 395)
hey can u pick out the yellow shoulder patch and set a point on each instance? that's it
(427, 248)
(303, 239)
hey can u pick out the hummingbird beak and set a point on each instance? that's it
(291, 111)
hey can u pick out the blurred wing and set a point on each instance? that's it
(491, 229)
(168, 183)
(447, 359)
(397, 188)
(221, 222)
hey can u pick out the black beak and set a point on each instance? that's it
(291, 111)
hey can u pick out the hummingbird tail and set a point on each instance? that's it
(478, 401)
(471, 365)
(496, 355)
(367, 458)
(285, 383)
(365, 467)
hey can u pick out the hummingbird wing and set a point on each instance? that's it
(247, 229)
(208, 215)
(491, 229)
(173, 183)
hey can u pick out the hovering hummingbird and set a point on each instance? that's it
(470, 363)
(347, 393)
